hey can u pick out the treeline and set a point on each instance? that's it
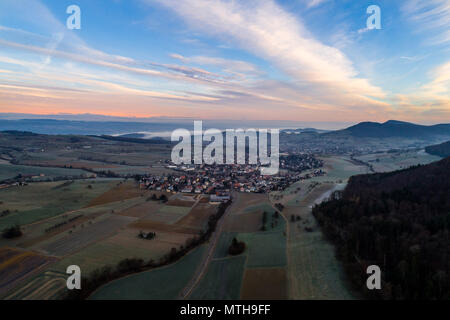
(126, 267)
(25, 179)
(58, 225)
(12, 232)
(399, 221)
(274, 221)
(4, 213)
(441, 150)
(134, 140)
(63, 185)
(19, 133)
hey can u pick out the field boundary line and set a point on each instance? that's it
(214, 239)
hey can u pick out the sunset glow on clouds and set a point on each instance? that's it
(304, 60)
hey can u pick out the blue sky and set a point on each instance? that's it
(303, 60)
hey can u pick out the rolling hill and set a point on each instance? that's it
(64, 127)
(400, 129)
(441, 150)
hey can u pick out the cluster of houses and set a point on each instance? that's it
(299, 162)
(219, 180)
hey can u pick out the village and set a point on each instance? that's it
(219, 180)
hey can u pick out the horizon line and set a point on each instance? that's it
(106, 117)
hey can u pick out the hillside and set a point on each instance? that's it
(62, 156)
(399, 221)
(441, 150)
(50, 126)
(393, 128)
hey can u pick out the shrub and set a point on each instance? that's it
(236, 247)
(12, 232)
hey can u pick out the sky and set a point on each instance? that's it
(297, 60)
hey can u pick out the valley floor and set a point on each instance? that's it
(95, 223)
(313, 272)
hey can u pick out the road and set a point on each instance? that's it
(208, 257)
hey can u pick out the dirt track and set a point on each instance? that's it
(313, 270)
(208, 256)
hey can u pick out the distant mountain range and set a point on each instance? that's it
(137, 128)
(392, 128)
(389, 129)
(185, 122)
(76, 127)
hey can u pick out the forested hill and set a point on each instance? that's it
(399, 221)
(394, 128)
(442, 150)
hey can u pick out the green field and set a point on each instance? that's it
(260, 207)
(159, 284)
(265, 249)
(222, 281)
(99, 255)
(384, 162)
(313, 270)
(169, 214)
(175, 210)
(340, 168)
(95, 213)
(38, 201)
(132, 170)
(47, 285)
(81, 151)
(9, 171)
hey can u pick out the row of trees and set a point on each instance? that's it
(274, 222)
(279, 206)
(4, 213)
(60, 224)
(12, 232)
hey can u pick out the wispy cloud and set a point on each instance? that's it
(431, 99)
(87, 55)
(363, 30)
(271, 33)
(236, 67)
(439, 87)
(251, 59)
(315, 3)
(431, 15)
